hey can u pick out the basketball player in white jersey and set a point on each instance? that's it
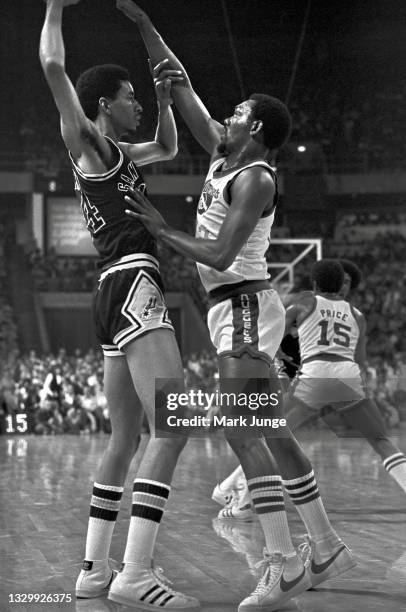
(333, 365)
(246, 317)
(332, 337)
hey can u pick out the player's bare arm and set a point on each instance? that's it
(251, 193)
(80, 135)
(165, 145)
(206, 130)
(298, 311)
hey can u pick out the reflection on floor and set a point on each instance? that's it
(46, 483)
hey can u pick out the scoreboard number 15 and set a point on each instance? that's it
(16, 423)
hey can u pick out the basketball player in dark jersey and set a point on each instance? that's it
(131, 318)
(235, 214)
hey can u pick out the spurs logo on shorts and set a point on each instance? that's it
(150, 305)
(129, 302)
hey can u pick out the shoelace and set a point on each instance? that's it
(271, 565)
(305, 549)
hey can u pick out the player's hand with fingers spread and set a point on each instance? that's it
(145, 212)
(164, 77)
(131, 10)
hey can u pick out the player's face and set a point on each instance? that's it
(237, 128)
(346, 286)
(125, 110)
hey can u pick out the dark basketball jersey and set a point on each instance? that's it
(101, 197)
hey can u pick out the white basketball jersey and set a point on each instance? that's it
(330, 328)
(250, 262)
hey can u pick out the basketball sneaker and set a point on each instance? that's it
(234, 511)
(222, 497)
(325, 559)
(148, 589)
(283, 577)
(95, 579)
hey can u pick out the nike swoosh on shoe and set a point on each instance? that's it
(319, 568)
(286, 586)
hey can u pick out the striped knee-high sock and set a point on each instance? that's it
(267, 497)
(104, 507)
(149, 499)
(395, 465)
(304, 493)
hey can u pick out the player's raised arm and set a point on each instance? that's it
(165, 144)
(78, 132)
(205, 129)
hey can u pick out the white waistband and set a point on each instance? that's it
(131, 261)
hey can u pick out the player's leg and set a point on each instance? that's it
(152, 356)
(296, 471)
(297, 413)
(325, 553)
(366, 418)
(234, 489)
(284, 574)
(125, 416)
(294, 466)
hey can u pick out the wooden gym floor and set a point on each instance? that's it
(45, 487)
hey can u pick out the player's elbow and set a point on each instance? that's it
(222, 262)
(168, 153)
(172, 152)
(51, 66)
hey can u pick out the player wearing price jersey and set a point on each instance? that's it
(332, 337)
(329, 330)
(129, 309)
(246, 317)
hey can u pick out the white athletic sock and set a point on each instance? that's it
(304, 493)
(149, 500)
(267, 497)
(395, 465)
(104, 507)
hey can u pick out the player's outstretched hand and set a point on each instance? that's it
(131, 10)
(143, 211)
(164, 77)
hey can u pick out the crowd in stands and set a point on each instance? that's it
(354, 134)
(381, 296)
(53, 273)
(361, 135)
(64, 393)
(59, 393)
(8, 329)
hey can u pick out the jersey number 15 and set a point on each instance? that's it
(341, 331)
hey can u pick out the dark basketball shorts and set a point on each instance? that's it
(128, 302)
(252, 323)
